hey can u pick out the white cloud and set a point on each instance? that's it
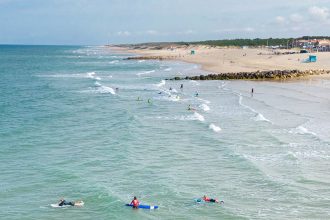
(124, 33)
(249, 29)
(317, 13)
(235, 30)
(152, 32)
(187, 32)
(280, 20)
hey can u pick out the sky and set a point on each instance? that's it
(98, 22)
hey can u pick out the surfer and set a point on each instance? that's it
(138, 99)
(62, 202)
(196, 94)
(170, 88)
(135, 203)
(191, 108)
(208, 199)
(181, 87)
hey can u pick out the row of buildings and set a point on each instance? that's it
(320, 45)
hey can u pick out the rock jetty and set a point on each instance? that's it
(150, 58)
(258, 75)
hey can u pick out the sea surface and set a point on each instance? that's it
(67, 132)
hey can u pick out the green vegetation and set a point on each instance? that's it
(247, 42)
(284, 42)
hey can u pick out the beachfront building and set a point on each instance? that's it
(318, 45)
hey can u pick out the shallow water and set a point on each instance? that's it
(67, 132)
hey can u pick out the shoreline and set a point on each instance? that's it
(235, 63)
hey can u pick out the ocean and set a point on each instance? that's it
(82, 123)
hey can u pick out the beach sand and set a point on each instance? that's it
(230, 60)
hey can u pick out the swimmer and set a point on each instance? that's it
(135, 203)
(63, 202)
(207, 199)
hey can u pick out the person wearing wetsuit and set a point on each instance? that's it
(63, 202)
(135, 203)
(207, 199)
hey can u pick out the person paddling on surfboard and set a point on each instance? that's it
(208, 199)
(135, 203)
(62, 202)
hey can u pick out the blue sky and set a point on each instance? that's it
(95, 22)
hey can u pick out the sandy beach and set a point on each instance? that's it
(231, 60)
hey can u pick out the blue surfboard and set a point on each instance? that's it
(145, 206)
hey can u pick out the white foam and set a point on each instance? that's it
(173, 98)
(162, 83)
(168, 69)
(145, 72)
(204, 100)
(260, 117)
(301, 130)
(114, 62)
(194, 82)
(90, 75)
(215, 128)
(192, 117)
(105, 89)
(205, 107)
(97, 84)
(141, 61)
(198, 116)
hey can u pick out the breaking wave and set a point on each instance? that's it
(215, 128)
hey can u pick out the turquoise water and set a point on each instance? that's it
(67, 132)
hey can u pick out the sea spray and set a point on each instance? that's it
(214, 128)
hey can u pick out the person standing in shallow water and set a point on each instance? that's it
(252, 91)
(135, 203)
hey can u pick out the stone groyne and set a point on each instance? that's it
(151, 58)
(258, 75)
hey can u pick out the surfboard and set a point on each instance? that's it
(145, 206)
(77, 204)
(200, 201)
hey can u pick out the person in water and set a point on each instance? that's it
(196, 94)
(208, 199)
(62, 202)
(135, 203)
(181, 87)
(149, 101)
(190, 108)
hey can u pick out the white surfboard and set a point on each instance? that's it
(77, 203)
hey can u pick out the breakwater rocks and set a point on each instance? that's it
(258, 75)
(151, 58)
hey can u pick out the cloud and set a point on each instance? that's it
(123, 33)
(320, 14)
(152, 32)
(187, 32)
(235, 30)
(280, 20)
(249, 29)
